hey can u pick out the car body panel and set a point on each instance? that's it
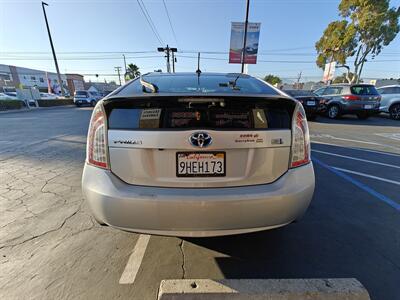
(198, 212)
(151, 161)
(388, 99)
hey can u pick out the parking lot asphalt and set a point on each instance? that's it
(51, 247)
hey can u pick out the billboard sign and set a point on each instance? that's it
(329, 72)
(236, 46)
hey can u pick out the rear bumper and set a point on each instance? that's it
(198, 211)
(359, 106)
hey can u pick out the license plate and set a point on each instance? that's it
(311, 103)
(367, 106)
(200, 164)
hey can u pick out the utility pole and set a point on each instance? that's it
(118, 69)
(167, 50)
(52, 48)
(124, 62)
(245, 33)
(298, 80)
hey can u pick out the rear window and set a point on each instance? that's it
(168, 114)
(204, 84)
(364, 90)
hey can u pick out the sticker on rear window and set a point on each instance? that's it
(150, 118)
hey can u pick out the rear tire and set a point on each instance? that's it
(394, 111)
(333, 112)
(363, 115)
(78, 105)
(312, 117)
(93, 103)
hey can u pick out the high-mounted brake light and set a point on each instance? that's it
(97, 154)
(300, 154)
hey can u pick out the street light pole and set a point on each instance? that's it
(245, 33)
(52, 48)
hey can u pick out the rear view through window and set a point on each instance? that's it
(200, 84)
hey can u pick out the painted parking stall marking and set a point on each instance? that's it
(361, 185)
(355, 158)
(367, 176)
(135, 260)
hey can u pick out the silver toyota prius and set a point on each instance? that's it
(198, 154)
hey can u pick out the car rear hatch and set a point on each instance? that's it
(171, 141)
(365, 96)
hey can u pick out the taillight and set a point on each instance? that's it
(300, 154)
(351, 97)
(97, 154)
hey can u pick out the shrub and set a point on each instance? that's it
(11, 104)
(58, 102)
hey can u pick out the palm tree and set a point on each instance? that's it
(132, 71)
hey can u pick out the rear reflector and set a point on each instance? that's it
(300, 154)
(97, 154)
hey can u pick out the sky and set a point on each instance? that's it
(90, 36)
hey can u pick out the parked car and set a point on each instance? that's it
(390, 102)
(85, 98)
(358, 99)
(198, 154)
(13, 96)
(48, 96)
(311, 102)
(5, 96)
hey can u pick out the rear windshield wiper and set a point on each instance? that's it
(231, 84)
(148, 85)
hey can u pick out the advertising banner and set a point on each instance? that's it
(329, 72)
(236, 46)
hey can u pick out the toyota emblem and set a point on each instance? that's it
(200, 139)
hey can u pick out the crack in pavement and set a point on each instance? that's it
(46, 232)
(181, 244)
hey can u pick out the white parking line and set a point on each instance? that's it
(367, 175)
(135, 260)
(358, 149)
(328, 136)
(354, 158)
(392, 136)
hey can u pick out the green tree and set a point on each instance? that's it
(343, 78)
(366, 27)
(272, 79)
(132, 72)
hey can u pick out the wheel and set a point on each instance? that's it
(333, 112)
(93, 103)
(394, 111)
(78, 105)
(363, 115)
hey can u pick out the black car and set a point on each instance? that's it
(311, 102)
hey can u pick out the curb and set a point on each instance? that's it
(263, 289)
(34, 109)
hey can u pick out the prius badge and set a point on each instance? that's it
(200, 139)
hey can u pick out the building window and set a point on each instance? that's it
(41, 79)
(33, 78)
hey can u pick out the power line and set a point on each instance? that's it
(170, 23)
(149, 20)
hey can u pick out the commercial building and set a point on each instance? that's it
(20, 77)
